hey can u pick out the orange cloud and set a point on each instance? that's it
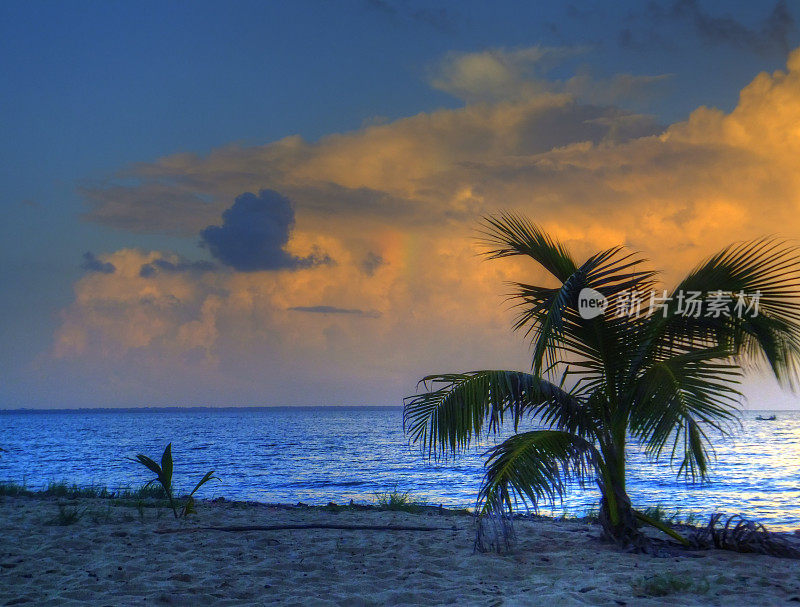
(408, 194)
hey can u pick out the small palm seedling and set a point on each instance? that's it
(164, 477)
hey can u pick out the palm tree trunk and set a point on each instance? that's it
(617, 516)
(619, 521)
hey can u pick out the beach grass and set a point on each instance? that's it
(672, 516)
(67, 515)
(151, 496)
(62, 489)
(399, 501)
(154, 496)
(72, 491)
(12, 489)
(591, 516)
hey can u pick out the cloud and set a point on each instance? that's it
(148, 206)
(180, 265)
(335, 310)
(223, 337)
(770, 37)
(440, 19)
(404, 171)
(496, 73)
(254, 234)
(502, 75)
(116, 313)
(371, 262)
(92, 264)
(410, 193)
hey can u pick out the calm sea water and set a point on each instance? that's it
(321, 454)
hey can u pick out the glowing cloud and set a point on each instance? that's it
(396, 206)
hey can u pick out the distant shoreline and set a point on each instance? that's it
(209, 408)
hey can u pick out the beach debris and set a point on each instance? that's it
(743, 535)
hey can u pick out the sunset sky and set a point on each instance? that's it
(243, 203)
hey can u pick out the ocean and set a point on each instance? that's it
(320, 454)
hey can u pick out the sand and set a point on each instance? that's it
(112, 556)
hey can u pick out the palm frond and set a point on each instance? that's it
(535, 466)
(601, 346)
(755, 286)
(207, 477)
(166, 467)
(511, 234)
(457, 407)
(681, 399)
(149, 463)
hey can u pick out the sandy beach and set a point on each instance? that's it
(114, 556)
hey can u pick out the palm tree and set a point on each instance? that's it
(666, 378)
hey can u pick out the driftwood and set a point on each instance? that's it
(239, 528)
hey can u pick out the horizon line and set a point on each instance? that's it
(190, 407)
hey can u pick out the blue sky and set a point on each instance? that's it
(92, 89)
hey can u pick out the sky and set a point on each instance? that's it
(253, 203)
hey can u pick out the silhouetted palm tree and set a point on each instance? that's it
(666, 378)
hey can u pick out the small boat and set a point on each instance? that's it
(771, 418)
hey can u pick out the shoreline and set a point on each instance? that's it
(406, 502)
(117, 552)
